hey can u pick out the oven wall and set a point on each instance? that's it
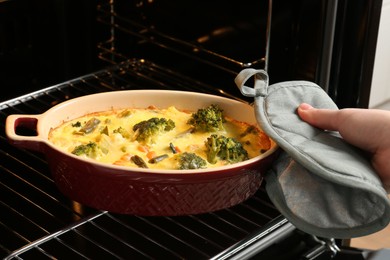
(44, 42)
(380, 91)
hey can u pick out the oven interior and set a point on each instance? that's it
(38, 222)
(208, 42)
(146, 44)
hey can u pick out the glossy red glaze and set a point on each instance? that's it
(135, 191)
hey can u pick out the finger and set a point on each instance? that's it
(380, 161)
(321, 118)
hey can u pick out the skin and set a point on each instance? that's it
(368, 129)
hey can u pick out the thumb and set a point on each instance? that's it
(321, 118)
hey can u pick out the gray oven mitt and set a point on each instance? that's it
(320, 183)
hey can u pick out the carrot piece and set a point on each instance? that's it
(123, 160)
(143, 148)
(151, 154)
(126, 157)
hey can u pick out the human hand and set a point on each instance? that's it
(367, 129)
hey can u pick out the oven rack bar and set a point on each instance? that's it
(276, 230)
(54, 235)
(191, 50)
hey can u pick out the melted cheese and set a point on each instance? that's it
(114, 148)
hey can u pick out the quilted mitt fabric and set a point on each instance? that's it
(322, 184)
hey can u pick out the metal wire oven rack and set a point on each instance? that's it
(38, 222)
(214, 54)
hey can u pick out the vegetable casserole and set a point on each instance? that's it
(161, 138)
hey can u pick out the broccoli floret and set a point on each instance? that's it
(122, 131)
(147, 130)
(209, 119)
(88, 149)
(224, 148)
(191, 161)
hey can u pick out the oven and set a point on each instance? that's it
(57, 50)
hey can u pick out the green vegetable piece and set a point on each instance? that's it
(224, 148)
(122, 131)
(125, 113)
(146, 131)
(139, 161)
(105, 131)
(173, 149)
(184, 133)
(209, 119)
(191, 161)
(90, 126)
(159, 158)
(77, 124)
(87, 149)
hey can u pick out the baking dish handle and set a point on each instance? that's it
(21, 131)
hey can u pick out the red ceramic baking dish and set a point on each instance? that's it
(138, 191)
